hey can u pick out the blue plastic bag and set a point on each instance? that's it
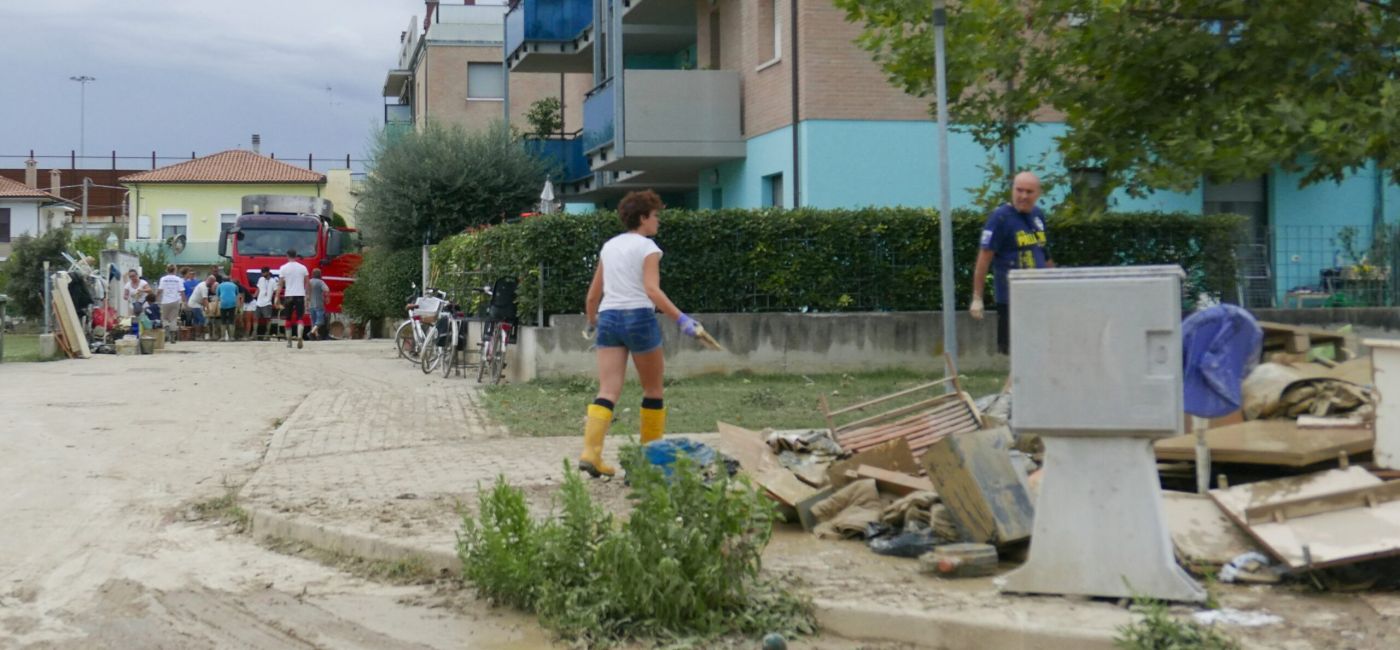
(663, 453)
(1220, 347)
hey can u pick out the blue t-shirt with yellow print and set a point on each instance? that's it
(1017, 241)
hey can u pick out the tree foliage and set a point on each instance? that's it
(383, 283)
(441, 180)
(25, 268)
(1161, 92)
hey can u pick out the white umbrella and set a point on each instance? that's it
(547, 198)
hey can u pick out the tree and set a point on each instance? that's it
(545, 116)
(1158, 93)
(442, 180)
(25, 268)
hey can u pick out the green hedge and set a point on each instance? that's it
(876, 259)
(383, 283)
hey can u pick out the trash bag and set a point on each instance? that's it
(663, 453)
(909, 544)
(1220, 346)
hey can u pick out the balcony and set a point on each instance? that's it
(658, 26)
(566, 153)
(398, 119)
(550, 36)
(672, 121)
(470, 24)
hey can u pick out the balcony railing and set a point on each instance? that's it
(547, 35)
(565, 152)
(598, 116)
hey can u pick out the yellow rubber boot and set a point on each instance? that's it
(595, 429)
(653, 424)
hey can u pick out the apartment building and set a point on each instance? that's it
(449, 70)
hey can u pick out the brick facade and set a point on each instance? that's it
(440, 89)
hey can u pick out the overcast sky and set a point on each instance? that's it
(176, 76)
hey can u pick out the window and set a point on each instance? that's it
(227, 218)
(173, 225)
(770, 32)
(773, 191)
(4, 225)
(486, 81)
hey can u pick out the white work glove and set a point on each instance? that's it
(977, 309)
(590, 333)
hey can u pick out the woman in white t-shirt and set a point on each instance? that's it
(621, 306)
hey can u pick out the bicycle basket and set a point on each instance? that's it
(503, 299)
(428, 308)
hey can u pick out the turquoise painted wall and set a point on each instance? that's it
(741, 182)
(1306, 222)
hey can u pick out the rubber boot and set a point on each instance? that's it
(653, 423)
(595, 429)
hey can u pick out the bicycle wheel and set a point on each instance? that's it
(498, 355)
(403, 341)
(484, 356)
(449, 360)
(429, 360)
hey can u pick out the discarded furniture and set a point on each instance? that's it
(1204, 537)
(1330, 518)
(1096, 371)
(921, 423)
(985, 493)
(1269, 442)
(893, 455)
(1385, 365)
(1292, 339)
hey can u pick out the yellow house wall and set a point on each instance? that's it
(203, 203)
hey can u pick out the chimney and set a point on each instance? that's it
(257, 143)
(31, 173)
(55, 182)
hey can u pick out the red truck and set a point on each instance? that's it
(271, 224)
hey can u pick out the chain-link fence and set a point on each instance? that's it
(1333, 266)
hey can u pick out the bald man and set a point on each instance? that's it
(1014, 238)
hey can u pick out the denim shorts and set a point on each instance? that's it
(634, 329)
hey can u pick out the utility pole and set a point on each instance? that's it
(87, 187)
(945, 211)
(82, 112)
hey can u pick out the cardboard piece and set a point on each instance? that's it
(758, 461)
(1269, 442)
(893, 455)
(895, 482)
(974, 477)
(1201, 533)
(1330, 518)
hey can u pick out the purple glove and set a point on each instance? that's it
(689, 326)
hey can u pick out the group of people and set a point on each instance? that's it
(626, 295)
(220, 309)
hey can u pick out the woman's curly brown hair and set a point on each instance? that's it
(636, 206)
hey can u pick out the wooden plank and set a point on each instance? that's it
(895, 482)
(886, 398)
(762, 465)
(1269, 442)
(1360, 497)
(893, 455)
(1320, 540)
(1201, 532)
(974, 477)
(1331, 422)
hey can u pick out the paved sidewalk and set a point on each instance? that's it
(380, 467)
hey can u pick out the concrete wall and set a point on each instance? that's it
(774, 343)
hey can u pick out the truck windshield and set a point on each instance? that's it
(276, 242)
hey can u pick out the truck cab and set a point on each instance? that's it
(270, 225)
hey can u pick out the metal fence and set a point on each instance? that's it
(1333, 266)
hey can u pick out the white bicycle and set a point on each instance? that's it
(411, 336)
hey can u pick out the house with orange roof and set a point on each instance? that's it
(201, 198)
(27, 210)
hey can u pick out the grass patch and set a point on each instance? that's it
(1158, 630)
(685, 566)
(555, 407)
(21, 348)
(225, 509)
(409, 570)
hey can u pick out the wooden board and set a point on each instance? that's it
(974, 477)
(1269, 442)
(1330, 538)
(1202, 534)
(758, 461)
(895, 482)
(893, 455)
(68, 319)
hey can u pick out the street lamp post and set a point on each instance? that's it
(82, 112)
(945, 216)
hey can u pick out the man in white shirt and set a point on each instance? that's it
(292, 277)
(267, 287)
(199, 299)
(171, 292)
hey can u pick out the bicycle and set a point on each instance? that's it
(412, 334)
(441, 346)
(496, 332)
